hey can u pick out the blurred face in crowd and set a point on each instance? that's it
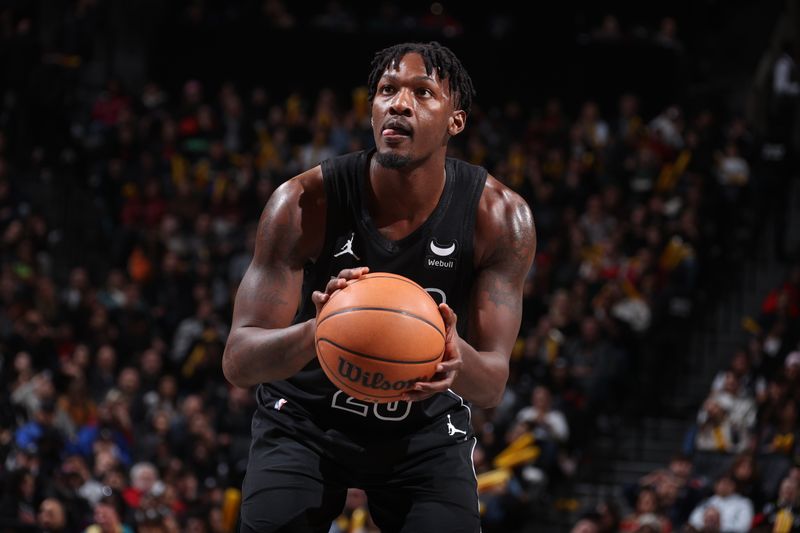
(413, 113)
(647, 502)
(724, 486)
(740, 364)
(590, 329)
(541, 399)
(51, 515)
(585, 526)
(129, 380)
(106, 358)
(106, 517)
(22, 363)
(143, 477)
(788, 414)
(730, 383)
(787, 493)
(151, 362)
(681, 468)
(744, 468)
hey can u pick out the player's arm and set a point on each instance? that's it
(263, 345)
(506, 224)
(476, 368)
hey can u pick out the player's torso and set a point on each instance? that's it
(439, 255)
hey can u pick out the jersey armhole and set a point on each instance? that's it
(472, 210)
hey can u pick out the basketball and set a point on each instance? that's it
(378, 336)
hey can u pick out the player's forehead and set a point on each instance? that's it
(411, 66)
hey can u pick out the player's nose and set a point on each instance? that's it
(401, 104)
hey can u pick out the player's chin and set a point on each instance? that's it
(391, 157)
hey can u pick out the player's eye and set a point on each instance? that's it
(386, 89)
(424, 92)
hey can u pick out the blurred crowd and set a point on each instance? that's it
(124, 240)
(739, 467)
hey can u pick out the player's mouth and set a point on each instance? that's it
(396, 130)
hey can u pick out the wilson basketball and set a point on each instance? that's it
(379, 336)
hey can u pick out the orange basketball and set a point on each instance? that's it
(378, 336)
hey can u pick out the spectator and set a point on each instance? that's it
(144, 483)
(43, 436)
(751, 383)
(735, 511)
(785, 96)
(108, 513)
(717, 430)
(747, 477)
(549, 427)
(783, 514)
(678, 489)
(52, 517)
(647, 512)
(585, 525)
(783, 435)
(710, 522)
(18, 503)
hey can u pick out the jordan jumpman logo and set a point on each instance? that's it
(451, 429)
(348, 248)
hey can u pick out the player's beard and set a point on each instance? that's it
(392, 160)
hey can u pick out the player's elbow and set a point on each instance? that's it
(232, 371)
(494, 389)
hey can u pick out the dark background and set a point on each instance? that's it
(512, 49)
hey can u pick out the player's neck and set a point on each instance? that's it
(402, 200)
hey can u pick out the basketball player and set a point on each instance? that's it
(403, 207)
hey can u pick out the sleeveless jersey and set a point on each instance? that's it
(438, 255)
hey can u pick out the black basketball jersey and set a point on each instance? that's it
(438, 255)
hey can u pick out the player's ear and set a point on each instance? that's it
(458, 119)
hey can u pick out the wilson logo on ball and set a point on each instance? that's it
(377, 381)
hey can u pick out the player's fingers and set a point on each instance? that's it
(353, 273)
(335, 284)
(452, 365)
(448, 314)
(423, 390)
(319, 297)
(450, 318)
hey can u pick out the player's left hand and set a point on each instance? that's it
(451, 364)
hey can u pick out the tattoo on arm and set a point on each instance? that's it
(278, 240)
(513, 258)
(501, 294)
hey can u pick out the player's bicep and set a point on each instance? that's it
(267, 297)
(496, 311)
(269, 293)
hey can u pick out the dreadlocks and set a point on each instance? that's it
(435, 56)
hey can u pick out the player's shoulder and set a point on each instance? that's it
(296, 205)
(303, 191)
(499, 202)
(504, 220)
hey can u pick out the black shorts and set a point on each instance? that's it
(297, 478)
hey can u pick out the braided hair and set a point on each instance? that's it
(436, 56)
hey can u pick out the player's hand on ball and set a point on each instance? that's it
(336, 284)
(451, 364)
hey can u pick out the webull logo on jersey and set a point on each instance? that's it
(377, 381)
(440, 256)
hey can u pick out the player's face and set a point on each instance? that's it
(413, 113)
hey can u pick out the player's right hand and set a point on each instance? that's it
(338, 283)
